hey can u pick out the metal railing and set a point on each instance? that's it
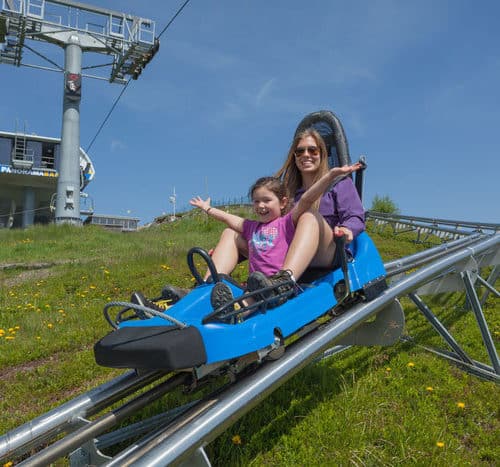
(443, 228)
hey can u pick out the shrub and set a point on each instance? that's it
(384, 204)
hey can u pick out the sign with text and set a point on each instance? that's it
(7, 169)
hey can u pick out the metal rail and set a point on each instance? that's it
(69, 443)
(185, 437)
(407, 263)
(65, 417)
(436, 223)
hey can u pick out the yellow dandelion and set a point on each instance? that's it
(50, 325)
(105, 271)
(92, 286)
(411, 364)
(460, 405)
(388, 369)
(17, 328)
(38, 337)
(11, 329)
(9, 338)
(440, 444)
(8, 464)
(236, 439)
(429, 388)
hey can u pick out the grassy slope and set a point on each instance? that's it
(369, 406)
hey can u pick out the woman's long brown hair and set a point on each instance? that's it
(290, 174)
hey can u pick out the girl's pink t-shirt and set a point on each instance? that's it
(268, 243)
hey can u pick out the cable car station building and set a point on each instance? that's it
(29, 171)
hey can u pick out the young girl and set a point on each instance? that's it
(269, 237)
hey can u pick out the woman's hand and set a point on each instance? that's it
(199, 203)
(345, 170)
(339, 230)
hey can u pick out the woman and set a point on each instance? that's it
(340, 208)
(339, 211)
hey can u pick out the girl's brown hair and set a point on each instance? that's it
(273, 184)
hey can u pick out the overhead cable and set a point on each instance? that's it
(101, 126)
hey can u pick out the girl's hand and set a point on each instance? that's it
(199, 203)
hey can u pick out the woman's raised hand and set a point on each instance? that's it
(346, 169)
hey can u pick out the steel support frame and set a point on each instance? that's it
(458, 355)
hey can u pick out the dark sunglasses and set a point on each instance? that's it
(312, 150)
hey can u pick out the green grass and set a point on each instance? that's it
(368, 406)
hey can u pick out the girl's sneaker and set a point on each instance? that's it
(282, 283)
(173, 293)
(221, 295)
(139, 299)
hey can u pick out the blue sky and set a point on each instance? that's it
(415, 84)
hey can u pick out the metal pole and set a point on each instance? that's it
(438, 326)
(68, 183)
(29, 207)
(491, 280)
(481, 321)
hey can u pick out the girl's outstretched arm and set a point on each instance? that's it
(319, 187)
(232, 221)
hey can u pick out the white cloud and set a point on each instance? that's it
(264, 91)
(117, 145)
